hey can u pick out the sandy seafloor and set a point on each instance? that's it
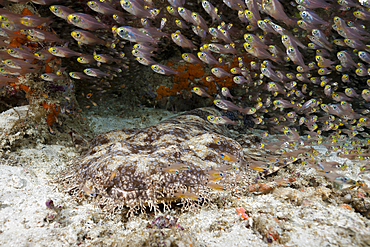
(297, 217)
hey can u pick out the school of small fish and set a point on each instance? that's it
(303, 67)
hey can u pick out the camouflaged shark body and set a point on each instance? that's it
(129, 167)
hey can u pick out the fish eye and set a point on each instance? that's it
(170, 9)
(261, 23)
(181, 10)
(126, 3)
(155, 11)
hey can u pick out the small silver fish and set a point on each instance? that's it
(207, 58)
(103, 7)
(60, 51)
(134, 35)
(276, 10)
(226, 92)
(86, 21)
(35, 21)
(182, 41)
(211, 10)
(95, 72)
(190, 58)
(51, 77)
(220, 120)
(61, 11)
(220, 73)
(86, 59)
(136, 9)
(145, 60)
(79, 75)
(227, 105)
(162, 69)
(312, 18)
(87, 38)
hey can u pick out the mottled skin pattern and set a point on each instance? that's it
(125, 166)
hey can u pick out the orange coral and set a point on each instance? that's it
(51, 117)
(19, 40)
(21, 86)
(187, 73)
(26, 11)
